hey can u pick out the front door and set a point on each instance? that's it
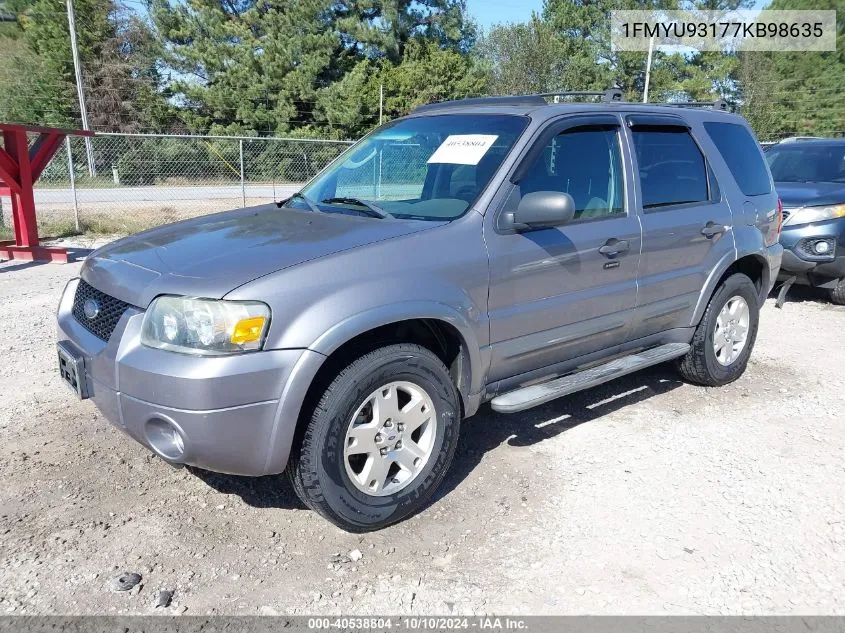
(559, 293)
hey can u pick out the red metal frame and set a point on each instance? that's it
(20, 167)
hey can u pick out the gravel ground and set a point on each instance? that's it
(645, 495)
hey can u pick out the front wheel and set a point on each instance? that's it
(380, 439)
(723, 340)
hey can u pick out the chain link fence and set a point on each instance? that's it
(138, 181)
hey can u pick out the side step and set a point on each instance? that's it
(533, 395)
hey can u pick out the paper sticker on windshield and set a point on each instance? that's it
(463, 149)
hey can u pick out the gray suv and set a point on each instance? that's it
(503, 249)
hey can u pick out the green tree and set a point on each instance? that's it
(117, 53)
(530, 57)
(427, 73)
(281, 67)
(796, 93)
(250, 66)
(384, 28)
(9, 28)
(567, 48)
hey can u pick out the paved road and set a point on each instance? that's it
(161, 194)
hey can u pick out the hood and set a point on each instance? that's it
(212, 255)
(810, 194)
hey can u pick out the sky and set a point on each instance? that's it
(490, 12)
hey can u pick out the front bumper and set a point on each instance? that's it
(233, 414)
(808, 269)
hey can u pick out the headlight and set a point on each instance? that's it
(805, 215)
(205, 326)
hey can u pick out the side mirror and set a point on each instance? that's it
(541, 209)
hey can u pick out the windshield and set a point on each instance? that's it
(807, 162)
(427, 168)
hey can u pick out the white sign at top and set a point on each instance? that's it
(463, 149)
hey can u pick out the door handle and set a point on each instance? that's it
(712, 229)
(614, 247)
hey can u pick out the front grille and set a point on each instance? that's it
(110, 310)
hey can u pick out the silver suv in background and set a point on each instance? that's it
(500, 250)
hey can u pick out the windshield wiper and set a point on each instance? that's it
(376, 211)
(300, 196)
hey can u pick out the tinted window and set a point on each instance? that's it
(672, 169)
(587, 165)
(807, 162)
(740, 151)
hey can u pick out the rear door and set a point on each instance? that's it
(686, 223)
(745, 162)
(560, 293)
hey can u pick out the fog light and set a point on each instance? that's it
(821, 248)
(165, 438)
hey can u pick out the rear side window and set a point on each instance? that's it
(672, 168)
(740, 151)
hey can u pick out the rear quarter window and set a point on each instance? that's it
(742, 155)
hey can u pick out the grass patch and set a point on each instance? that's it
(60, 228)
(99, 223)
(94, 226)
(105, 225)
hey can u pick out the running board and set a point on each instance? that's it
(533, 395)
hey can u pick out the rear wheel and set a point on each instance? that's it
(380, 439)
(724, 338)
(837, 293)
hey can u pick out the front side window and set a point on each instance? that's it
(671, 167)
(586, 164)
(807, 162)
(427, 168)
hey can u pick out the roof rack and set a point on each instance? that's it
(515, 100)
(532, 100)
(718, 104)
(611, 95)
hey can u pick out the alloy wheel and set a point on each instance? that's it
(390, 438)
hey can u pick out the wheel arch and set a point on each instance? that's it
(433, 325)
(440, 330)
(752, 264)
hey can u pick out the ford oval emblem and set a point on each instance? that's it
(91, 309)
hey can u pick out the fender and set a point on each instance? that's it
(719, 270)
(312, 360)
(370, 319)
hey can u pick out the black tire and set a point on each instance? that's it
(837, 294)
(317, 469)
(699, 365)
